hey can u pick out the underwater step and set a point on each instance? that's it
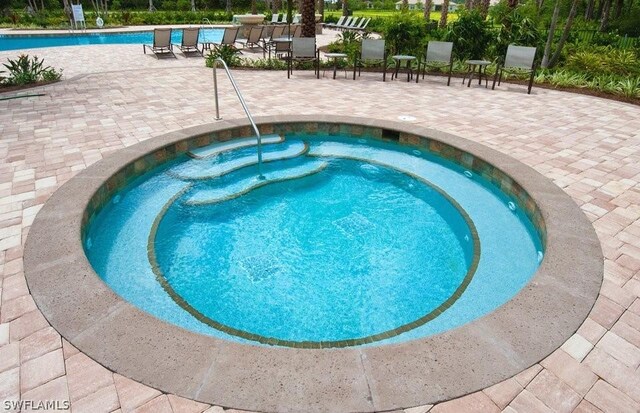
(217, 148)
(194, 169)
(238, 188)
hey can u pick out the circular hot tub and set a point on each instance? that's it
(362, 266)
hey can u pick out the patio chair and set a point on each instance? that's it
(520, 60)
(284, 19)
(303, 49)
(334, 25)
(274, 18)
(228, 38)
(438, 56)
(296, 19)
(189, 42)
(254, 39)
(373, 50)
(161, 43)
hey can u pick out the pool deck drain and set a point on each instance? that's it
(588, 146)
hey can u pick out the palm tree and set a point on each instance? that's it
(193, 5)
(151, 6)
(428, 5)
(444, 13)
(308, 18)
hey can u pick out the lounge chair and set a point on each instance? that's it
(228, 38)
(254, 39)
(298, 31)
(284, 19)
(347, 23)
(303, 49)
(161, 43)
(520, 60)
(373, 50)
(274, 18)
(363, 25)
(354, 23)
(296, 19)
(438, 56)
(269, 44)
(334, 25)
(189, 42)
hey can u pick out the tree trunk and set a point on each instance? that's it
(484, 8)
(344, 7)
(588, 12)
(444, 14)
(227, 8)
(565, 33)
(604, 20)
(428, 5)
(616, 13)
(152, 8)
(193, 5)
(598, 14)
(512, 4)
(321, 9)
(468, 4)
(254, 7)
(308, 18)
(552, 32)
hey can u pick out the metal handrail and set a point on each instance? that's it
(242, 102)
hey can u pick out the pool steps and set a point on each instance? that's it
(236, 189)
(217, 148)
(210, 168)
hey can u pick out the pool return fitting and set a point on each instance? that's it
(244, 106)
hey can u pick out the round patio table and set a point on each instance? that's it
(403, 58)
(335, 57)
(482, 71)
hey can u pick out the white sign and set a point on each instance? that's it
(78, 15)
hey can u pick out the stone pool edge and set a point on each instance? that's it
(499, 345)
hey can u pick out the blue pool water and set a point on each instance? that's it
(345, 242)
(16, 42)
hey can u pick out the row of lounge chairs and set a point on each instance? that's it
(257, 38)
(349, 23)
(275, 19)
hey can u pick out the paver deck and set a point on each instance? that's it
(114, 96)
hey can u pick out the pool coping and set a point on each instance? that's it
(87, 313)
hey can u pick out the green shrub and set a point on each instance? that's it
(603, 60)
(516, 29)
(227, 53)
(470, 34)
(25, 70)
(405, 33)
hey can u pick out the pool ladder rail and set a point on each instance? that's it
(242, 102)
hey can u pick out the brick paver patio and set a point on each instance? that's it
(114, 96)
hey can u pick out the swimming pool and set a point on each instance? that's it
(18, 42)
(346, 241)
(353, 168)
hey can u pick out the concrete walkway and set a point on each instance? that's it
(114, 96)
